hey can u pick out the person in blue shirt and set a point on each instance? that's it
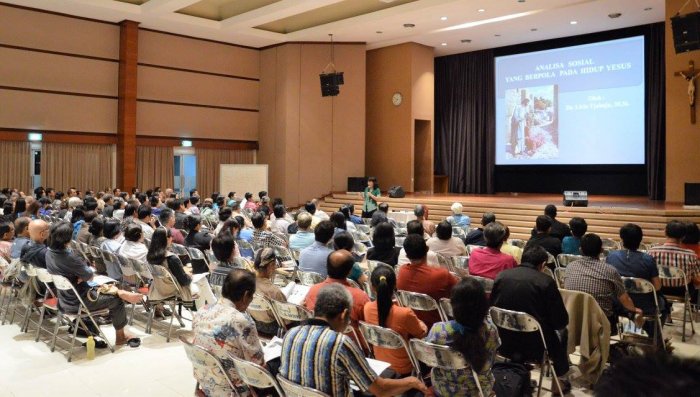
(349, 211)
(313, 258)
(572, 244)
(458, 219)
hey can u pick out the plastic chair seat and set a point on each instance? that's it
(51, 303)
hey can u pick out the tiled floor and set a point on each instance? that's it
(155, 369)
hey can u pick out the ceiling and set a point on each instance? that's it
(451, 26)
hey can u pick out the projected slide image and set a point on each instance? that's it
(531, 123)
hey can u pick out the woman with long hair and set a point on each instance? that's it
(384, 313)
(470, 333)
(96, 237)
(384, 247)
(20, 207)
(196, 237)
(32, 210)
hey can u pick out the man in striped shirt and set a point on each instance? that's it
(317, 354)
(671, 254)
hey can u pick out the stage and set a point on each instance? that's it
(604, 214)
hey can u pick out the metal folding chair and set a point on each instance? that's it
(458, 231)
(309, 278)
(262, 304)
(418, 302)
(291, 389)
(525, 323)
(112, 265)
(471, 248)
(83, 313)
(254, 375)
(162, 273)
(517, 242)
(50, 301)
(97, 260)
(446, 309)
(438, 356)
(635, 285)
(560, 276)
(289, 312)
(671, 275)
(204, 363)
(487, 283)
(563, 260)
(199, 260)
(376, 336)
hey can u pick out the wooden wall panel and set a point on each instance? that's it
(28, 69)
(26, 28)
(37, 111)
(188, 121)
(169, 50)
(178, 86)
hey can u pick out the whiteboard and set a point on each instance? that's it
(242, 178)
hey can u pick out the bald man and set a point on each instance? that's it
(35, 251)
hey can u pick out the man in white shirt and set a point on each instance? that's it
(145, 220)
(416, 227)
(443, 242)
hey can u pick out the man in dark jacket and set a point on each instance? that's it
(34, 252)
(543, 238)
(526, 289)
(559, 229)
(476, 236)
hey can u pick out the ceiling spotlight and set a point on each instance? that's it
(497, 35)
(614, 15)
(480, 10)
(379, 32)
(409, 25)
(533, 29)
(573, 22)
(521, 1)
(443, 18)
(466, 40)
(443, 44)
(648, 9)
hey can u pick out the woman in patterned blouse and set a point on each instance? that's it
(470, 333)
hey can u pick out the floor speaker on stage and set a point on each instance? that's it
(396, 192)
(692, 194)
(357, 183)
(576, 198)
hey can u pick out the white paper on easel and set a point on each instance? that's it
(295, 293)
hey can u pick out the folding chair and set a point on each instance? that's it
(462, 263)
(261, 304)
(399, 241)
(309, 278)
(199, 261)
(291, 389)
(205, 363)
(471, 248)
(418, 301)
(162, 273)
(289, 312)
(364, 229)
(112, 265)
(254, 375)
(446, 307)
(517, 242)
(246, 249)
(97, 259)
(635, 285)
(10, 293)
(525, 323)
(83, 313)
(610, 244)
(50, 300)
(671, 275)
(29, 307)
(458, 231)
(210, 257)
(386, 338)
(563, 260)
(130, 277)
(550, 273)
(447, 263)
(487, 283)
(181, 252)
(560, 276)
(438, 356)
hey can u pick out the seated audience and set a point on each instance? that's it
(133, 247)
(345, 241)
(338, 220)
(310, 207)
(265, 267)
(472, 334)
(691, 239)
(113, 236)
(34, 252)
(224, 248)
(443, 242)
(32, 211)
(21, 236)
(559, 229)
(550, 243)
(476, 236)
(490, 261)
(416, 227)
(600, 280)
(671, 254)
(225, 330)
(224, 215)
(208, 211)
(304, 236)
(146, 220)
(194, 205)
(572, 244)
(319, 212)
(280, 224)
(178, 206)
(338, 267)
(7, 235)
(196, 237)
(246, 232)
(417, 276)
(527, 289)
(84, 231)
(314, 257)
(458, 219)
(512, 250)
(62, 261)
(261, 236)
(96, 237)
(349, 211)
(381, 215)
(385, 313)
(629, 262)
(167, 220)
(384, 247)
(336, 358)
(421, 213)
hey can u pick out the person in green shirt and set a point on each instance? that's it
(370, 196)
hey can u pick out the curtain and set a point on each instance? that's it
(208, 161)
(15, 166)
(465, 121)
(655, 119)
(154, 166)
(83, 166)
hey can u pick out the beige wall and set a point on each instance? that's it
(407, 69)
(312, 144)
(682, 138)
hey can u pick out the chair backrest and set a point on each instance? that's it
(43, 275)
(563, 260)
(514, 321)
(255, 376)
(179, 249)
(29, 269)
(517, 242)
(461, 262)
(196, 254)
(445, 262)
(446, 309)
(437, 356)
(112, 264)
(291, 389)
(610, 244)
(160, 272)
(371, 265)
(551, 260)
(290, 311)
(635, 285)
(549, 272)
(382, 337)
(204, 361)
(64, 284)
(363, 228)
(142, 269)
(560, 276)
(487, 283)
(458, 231)
(125, 265)
(471, 248)
(210, 257)
(672, 273)
(354, 284)
(261, 304)
(416, 301)
(399, 241)
(309, 278)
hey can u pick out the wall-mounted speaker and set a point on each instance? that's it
(686, 32)
(331, 82)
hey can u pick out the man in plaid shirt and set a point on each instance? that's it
(671, 254)
(602, 281)
(263, 238)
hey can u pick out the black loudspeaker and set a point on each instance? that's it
(692, 194)
(396, 192)
(330, 83)
(576, 198)
(686, 32)
(357, 184)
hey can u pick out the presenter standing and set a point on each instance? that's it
(370, 196)
(520, 116)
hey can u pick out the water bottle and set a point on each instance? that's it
(91, 348)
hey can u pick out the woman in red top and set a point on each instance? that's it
(385, 313)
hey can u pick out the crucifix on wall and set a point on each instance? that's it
(690, 76)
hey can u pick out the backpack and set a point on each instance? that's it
(512, 380)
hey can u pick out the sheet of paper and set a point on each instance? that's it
(272, 349)
(378, 366)
(198, 276)
(295, 293)
(99, 280)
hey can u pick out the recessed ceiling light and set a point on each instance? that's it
(648, 9)
(443, 18)
(614, 15)
(443, 44)
(533, 29)
(497, 35)
(466, 41)
(573, 22)
(521, 1)
(480, 10)
(379, 32)
(409, 25)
